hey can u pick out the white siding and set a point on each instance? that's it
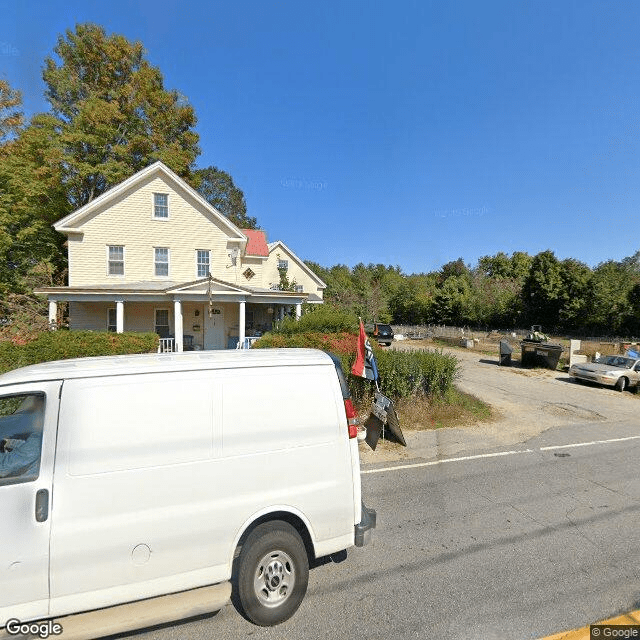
(295, 272)
(129, 221)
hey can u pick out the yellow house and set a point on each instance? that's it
(151, 254)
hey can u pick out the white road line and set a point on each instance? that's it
(496, 455)
(588, 444)
(434, 462)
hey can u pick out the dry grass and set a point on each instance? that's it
(458, 410)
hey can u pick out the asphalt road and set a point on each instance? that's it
(514, 543)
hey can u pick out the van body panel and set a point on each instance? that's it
(157, 465)
(158, 472)
(24, 542)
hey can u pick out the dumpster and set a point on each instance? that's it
(505, 353)
(540, 354)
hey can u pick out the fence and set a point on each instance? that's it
(444, 331)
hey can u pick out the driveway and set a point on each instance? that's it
(527, 402)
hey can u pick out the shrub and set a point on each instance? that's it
(320, 318)
(403, 374)
(61, 345)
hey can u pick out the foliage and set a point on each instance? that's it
(110, 117)
(60, 345)
(319, 318)
(11, 117)
(403, 374)
(113, 113)
(218, 189)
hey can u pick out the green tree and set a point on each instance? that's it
(11, 116)
(218, 189)
(609, 296)
(113, 113)
(575, 304)
(542, 291)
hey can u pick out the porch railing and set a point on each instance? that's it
(166, 345)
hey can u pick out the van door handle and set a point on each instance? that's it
(42, 505)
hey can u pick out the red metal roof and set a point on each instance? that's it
(257, 245)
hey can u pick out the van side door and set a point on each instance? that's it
(28, 423)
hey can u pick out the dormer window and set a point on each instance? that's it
(161, 205)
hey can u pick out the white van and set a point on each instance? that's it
(161, 480)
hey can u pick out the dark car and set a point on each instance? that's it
(383, 333)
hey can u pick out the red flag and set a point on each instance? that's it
(365, 364)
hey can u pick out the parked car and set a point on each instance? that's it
(383, 333)
(620, 372)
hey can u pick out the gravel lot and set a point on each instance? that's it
(527, 401)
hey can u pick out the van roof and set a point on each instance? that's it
(163, 362)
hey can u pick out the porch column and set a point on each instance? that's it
(53, 315)
(241, 322)
(298, 310)
(177, 321)
(119, 316)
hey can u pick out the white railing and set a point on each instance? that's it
(166, 345)
(247, 342)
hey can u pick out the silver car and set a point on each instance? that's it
(620, 372)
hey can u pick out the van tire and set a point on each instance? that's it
(273, 573)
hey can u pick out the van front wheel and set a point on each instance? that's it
(273, 573)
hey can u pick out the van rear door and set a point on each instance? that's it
(28, 418)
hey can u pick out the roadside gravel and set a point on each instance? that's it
(526, 402)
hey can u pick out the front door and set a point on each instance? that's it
(214, 328)
(28, 422)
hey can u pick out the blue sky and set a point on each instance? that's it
(404, 133)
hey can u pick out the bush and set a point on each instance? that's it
(61, 345)
(320, 318)
(403, 374)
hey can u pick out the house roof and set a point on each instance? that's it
(257, 244)
(278, 243)
(74, 221)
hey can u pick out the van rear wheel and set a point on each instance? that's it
(273, 573)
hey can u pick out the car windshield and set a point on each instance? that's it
(384, 327)
(616, 361)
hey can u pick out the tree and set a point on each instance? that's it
(11, 117)
(576, 281)
(218, 189)
(110, 117)
(113, 114)
(542, 290)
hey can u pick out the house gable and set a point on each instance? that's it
(297, 271)
(124, 217)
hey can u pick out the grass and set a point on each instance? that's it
(457, 409)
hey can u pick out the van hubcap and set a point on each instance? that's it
(274, 579)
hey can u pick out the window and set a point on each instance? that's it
(21, 423)
(299, 288)
(161, 261)
(248, 273)
(111, 320)
(202, 262)
(283, 264)
(161, 205)
(162, 323)
(115, 260)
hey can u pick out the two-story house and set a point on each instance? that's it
(151, 254)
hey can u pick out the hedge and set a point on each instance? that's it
(403, 374)
(61, 345)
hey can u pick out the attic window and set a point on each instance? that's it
(160, 205)
(283, 264)
(248, 274)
